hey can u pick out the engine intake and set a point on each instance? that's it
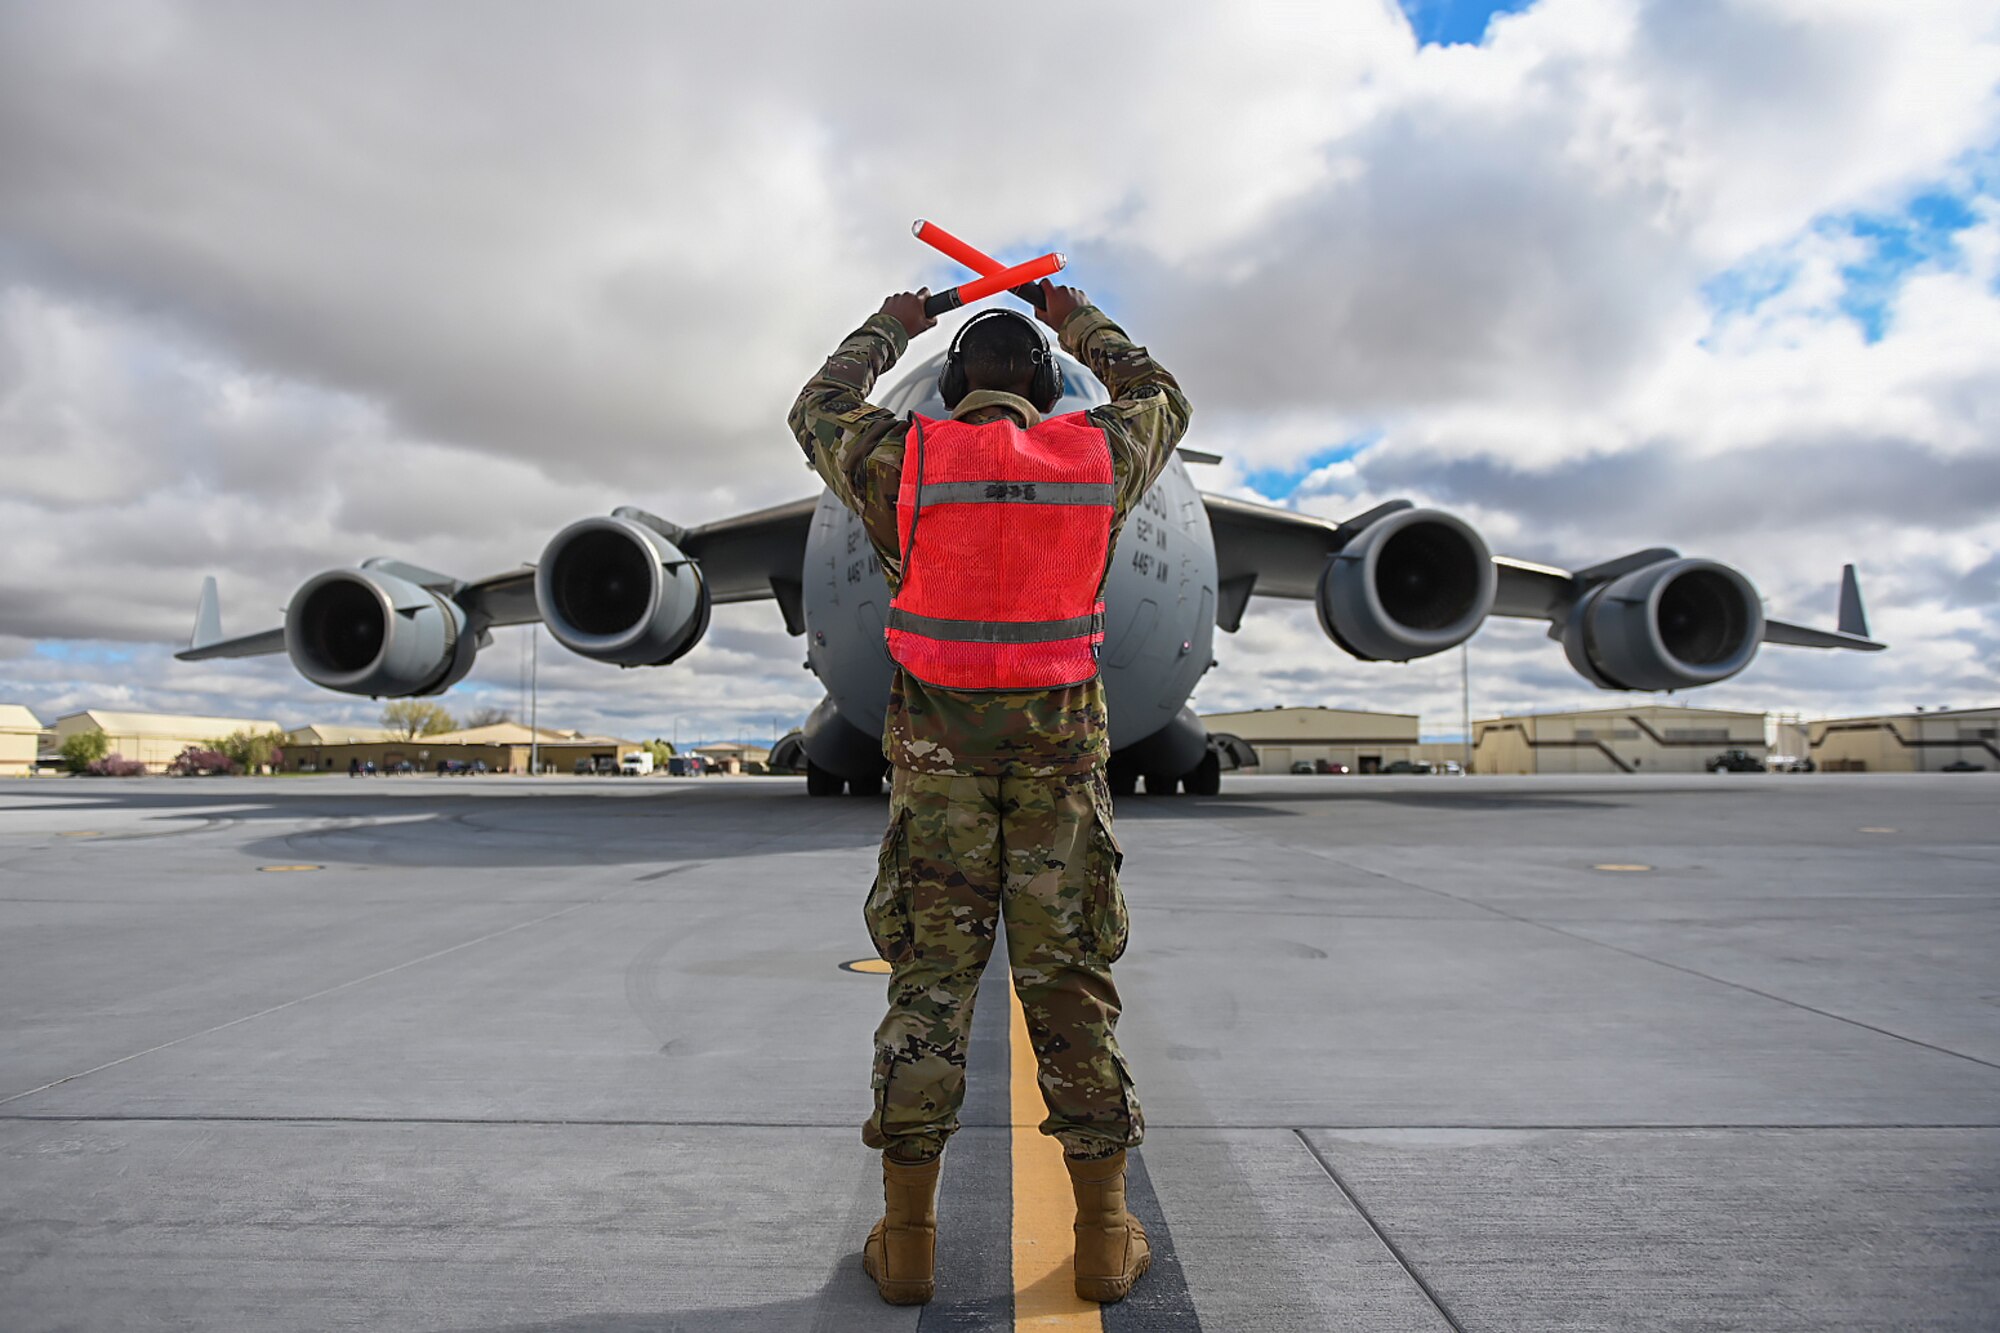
(362, 631)
(615, 590)
(1670, 626)
(1411, 584)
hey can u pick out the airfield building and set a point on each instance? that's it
(1365, 742)
(733, 757)
(20, 739)
(1907, 742)
(503, 747)
(1647, 738)
(154, 739)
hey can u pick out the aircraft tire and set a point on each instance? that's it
(1206, 779)
(864, 786)
(820, 782)
(1124, 782)
(1162, 784)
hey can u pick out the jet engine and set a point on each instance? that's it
(1410, 584)
(366, 631)
(618, 590)
(1668, 626)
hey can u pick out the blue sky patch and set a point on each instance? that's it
(1455, 22)
(1922, 234)
(59, 650)
(1279, 482)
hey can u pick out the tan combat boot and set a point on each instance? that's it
(902, 1249)
(1111, 1248)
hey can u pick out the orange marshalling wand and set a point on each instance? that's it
(979, 288)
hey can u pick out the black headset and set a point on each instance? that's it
(1045, 390)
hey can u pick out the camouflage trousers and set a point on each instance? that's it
(961, 853)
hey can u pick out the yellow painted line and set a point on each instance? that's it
(279, 870)
(874, 966)
(1622, 868)
(81, 833)
(1044, 1206)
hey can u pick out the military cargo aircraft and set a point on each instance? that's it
(1393, 584)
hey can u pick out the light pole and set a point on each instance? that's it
(1465, 702)
(534, 700)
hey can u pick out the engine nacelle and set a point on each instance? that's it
(1669, 626)
(617, 591)
(1411, 584)
(363, 631)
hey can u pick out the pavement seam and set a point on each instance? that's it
(1395, 1250)
(276, 1008)
(1648, 958)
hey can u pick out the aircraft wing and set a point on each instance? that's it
(756, 555)
(749, 557)
(1264, 551)
(742, 559)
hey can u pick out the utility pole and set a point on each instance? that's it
(534, 699)
(1465, 701)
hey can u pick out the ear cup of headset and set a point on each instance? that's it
(1048, 382)
(951, 379)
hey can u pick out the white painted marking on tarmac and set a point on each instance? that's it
(1616, 868)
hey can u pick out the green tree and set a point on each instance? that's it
(252, 751)
(411, 718)
(84, 749)
(484, 717)
(661, 752)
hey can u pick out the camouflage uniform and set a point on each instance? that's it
(998, 803)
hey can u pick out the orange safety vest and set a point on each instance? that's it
(1005, 533)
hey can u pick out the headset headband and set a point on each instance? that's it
(1036, 357)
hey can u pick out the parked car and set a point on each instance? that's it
(1328, 766)
(1302, 766)
(1962, 766)
(1408, 766)
(1736, 761)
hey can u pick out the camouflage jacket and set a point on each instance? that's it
(858, 448)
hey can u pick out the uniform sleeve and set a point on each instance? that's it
(1148, 413)
(855, 446)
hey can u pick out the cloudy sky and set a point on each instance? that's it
(283, 286)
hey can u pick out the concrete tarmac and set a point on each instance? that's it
(1716, 1052)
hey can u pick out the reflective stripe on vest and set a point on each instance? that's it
(996, 631)
(1006, 536)
(1015, 492)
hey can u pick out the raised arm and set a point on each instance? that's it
(855, 446)
(1147, 414)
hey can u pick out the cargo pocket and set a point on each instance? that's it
(888, 908)
(1109, 924)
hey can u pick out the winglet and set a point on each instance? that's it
(207, 641)
(207, 617)
(1853, 620)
